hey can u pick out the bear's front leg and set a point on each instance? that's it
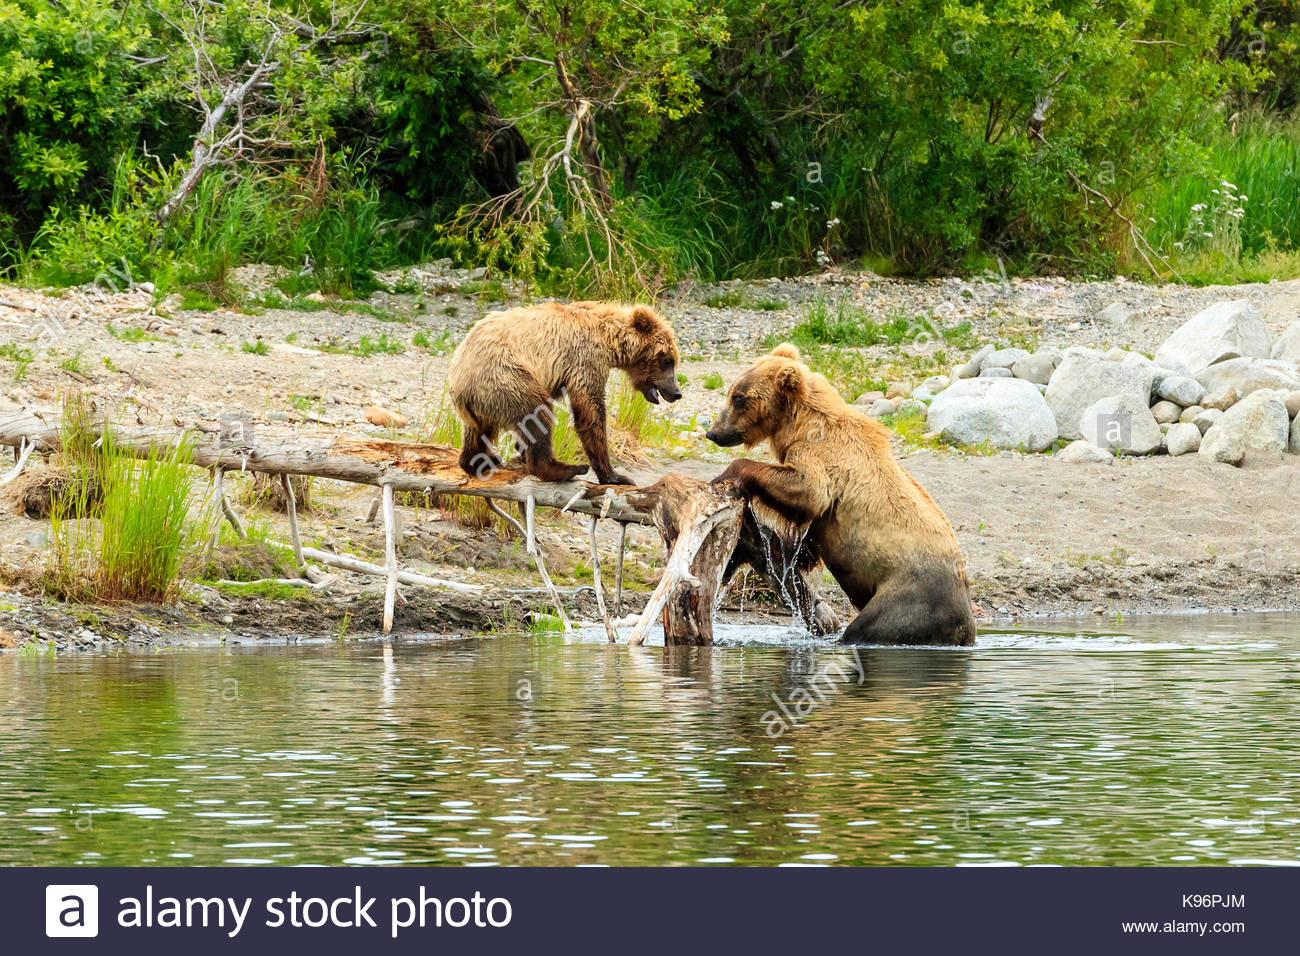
(589, 421)
(780, 487)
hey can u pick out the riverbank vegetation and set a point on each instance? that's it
(601, 148)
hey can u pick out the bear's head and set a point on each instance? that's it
(650, 355)
(761, 401)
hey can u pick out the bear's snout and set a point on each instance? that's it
(725, 437)
(672, 393)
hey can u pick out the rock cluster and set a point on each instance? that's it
(1220, 386)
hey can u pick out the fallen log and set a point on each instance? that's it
(700, 525)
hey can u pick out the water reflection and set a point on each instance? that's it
(1170, 743)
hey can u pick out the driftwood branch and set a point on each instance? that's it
(700, 525)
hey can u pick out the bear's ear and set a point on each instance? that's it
(786, 350)
(789, 382)
(644, 320)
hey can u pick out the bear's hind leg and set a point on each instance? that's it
(914, 615)
(477, 455)
(539, 458)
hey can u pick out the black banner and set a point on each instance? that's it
(650, 911)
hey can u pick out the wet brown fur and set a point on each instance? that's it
(514, 365)
(885, 541)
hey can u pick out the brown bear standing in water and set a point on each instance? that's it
(883, 538)
(513, 366)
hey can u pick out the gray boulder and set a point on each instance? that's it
(1084, 451)
(1005, 412)
(1083, 377)
(1208, 418)
(866, 398)
(972, 367)
(1183, 389)
(1287, 346)
(1036, 368)
(911, 406)
(1295, 435)
(1256, 426)
(1226, 330)
(881, 407)
(996, 371)
(1003, 358)
(1248, 375)
(1122, 424)
(1189, 413)
(1183, 439)
(1166, 412)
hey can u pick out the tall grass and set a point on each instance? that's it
(1240, 220)
(119, 531)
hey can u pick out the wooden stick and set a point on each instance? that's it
(595, 580)
(529, 535)
(291, 506)
(226, 510)
(618, 569)
(390, 558)
(347, 563)
(215, 537)
(24, 452)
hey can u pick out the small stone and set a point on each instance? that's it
(1189, 414)
(1074, 327)
(996, 372)
(1083, 451)
(277, 416)
(910, 406)
(1295, 435)
(882, 407)
(972, 367)
(867, 398)
(897, 390)
(384, 418)
(1036, 368)
(1221, 399)
(1183, 439)
(1182, 389)
(1165, 412)
(931, 387)
(1207, 419)
(1003, 358)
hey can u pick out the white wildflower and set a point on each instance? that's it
(777, 204)
(832, 223)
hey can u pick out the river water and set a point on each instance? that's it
(1165, 741)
